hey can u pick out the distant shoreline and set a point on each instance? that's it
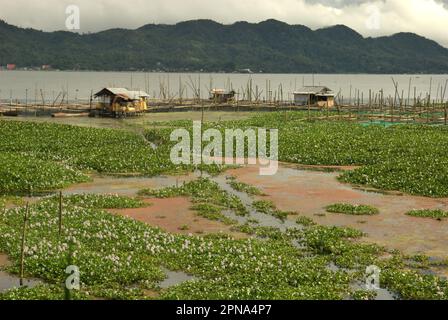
(228, 73)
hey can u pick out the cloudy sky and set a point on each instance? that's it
(428, 18)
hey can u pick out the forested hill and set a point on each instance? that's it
(269, 46)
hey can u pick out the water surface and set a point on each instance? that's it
(80, 85)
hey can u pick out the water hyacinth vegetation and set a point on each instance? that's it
(243, 187)
(268, 207)
(305, 221)
(40, 157)
(118, 253)
(121, 258)
(22, 174)
(10, 200)
(435, 214)
(212, 212)
(101, 150)
(350, 209)
(44, 156)
(408, 158)
(104, 201)
(208, 198)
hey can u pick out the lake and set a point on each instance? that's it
(31, 85)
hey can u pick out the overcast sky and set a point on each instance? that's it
(428, 18)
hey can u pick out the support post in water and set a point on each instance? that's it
(22, 249)
(60, 213)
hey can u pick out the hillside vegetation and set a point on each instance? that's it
(269, 46)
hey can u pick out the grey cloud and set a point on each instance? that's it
(444, 2)
(338, 3)
(425, 17)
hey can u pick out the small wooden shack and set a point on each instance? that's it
(314, 95)
(121, 102)
(222, 96)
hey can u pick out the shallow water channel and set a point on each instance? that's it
(265, 220)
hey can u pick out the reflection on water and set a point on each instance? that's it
(136, 124)
(8, 281)
(174, 278)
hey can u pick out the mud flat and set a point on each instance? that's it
(172, 215)
(4, 261)
(175, 216)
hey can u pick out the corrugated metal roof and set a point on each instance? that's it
(138, 94)
(221, 91)
(313, 90)
(123, 92)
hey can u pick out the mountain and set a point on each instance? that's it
(268, 46)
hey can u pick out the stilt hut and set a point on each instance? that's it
(222, 96)
(121, 102)
(321, 96)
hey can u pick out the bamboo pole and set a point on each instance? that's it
(445, 104)
(350, 97)
(22, 251)
(409, 92)
(445, 113)
(414, 107)
(358, 106)
(382, 104)
(401, 105)
(309, 108)
(60, 213)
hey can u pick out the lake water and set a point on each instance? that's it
(27, 85)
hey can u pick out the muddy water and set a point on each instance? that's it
(146, 121)
(4, 261)
(169, 214)
(309, 192)
(384, 294)
(8, 281)
(269, 221)
(381, 294)
(175, 216)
